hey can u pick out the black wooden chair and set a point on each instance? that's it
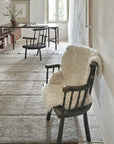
(81, 91)
(37, 42)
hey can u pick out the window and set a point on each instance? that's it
(57, 10)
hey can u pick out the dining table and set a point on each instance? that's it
(9, 29)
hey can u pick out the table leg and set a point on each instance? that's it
(1, 31)
(13, 41)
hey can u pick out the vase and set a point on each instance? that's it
(13, 21)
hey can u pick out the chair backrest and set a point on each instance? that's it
(79, 92)
(76, 70)
(77, 75)
(75, 66)
(41, 35)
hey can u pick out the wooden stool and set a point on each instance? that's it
(54, 39)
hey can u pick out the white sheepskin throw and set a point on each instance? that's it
(75, 68)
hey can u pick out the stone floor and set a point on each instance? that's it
(22, 111)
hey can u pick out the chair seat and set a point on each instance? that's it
(35, 46)
(69, 113)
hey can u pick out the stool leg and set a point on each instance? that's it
(87, 131)
(48, 37)
(55, 39)
(58, 35)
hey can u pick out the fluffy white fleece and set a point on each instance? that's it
(75, 68)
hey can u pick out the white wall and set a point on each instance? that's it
(37, 15)
(103, 40)
(37, 11)
(3, 5)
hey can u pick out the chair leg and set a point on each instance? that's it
(25, 53)
(40, 55)
(48, 115)
(37, 51)
(60, 133)
(87, 131)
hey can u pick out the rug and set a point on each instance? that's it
(22, 110)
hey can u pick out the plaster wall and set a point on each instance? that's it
(37, 11)
(37, 15)
(102, 40)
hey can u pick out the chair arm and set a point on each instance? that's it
(74, 88)
(29, 38)
(52, 66)
(93, 64)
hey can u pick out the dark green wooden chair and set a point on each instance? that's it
(68, 91)
(63, 113)
(37, 42)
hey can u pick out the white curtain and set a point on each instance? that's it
(77, 32)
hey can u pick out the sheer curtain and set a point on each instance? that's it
(77, 32)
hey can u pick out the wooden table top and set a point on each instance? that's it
(29, 25)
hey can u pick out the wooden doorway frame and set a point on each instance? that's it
(90, 23)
